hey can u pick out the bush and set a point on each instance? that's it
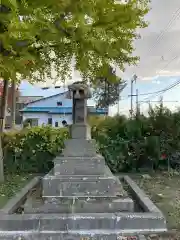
(144, 142)
(32, 149)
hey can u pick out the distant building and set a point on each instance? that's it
(55, 110)
(21, 102)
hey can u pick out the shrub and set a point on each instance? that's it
(145, 142)
(32, 149)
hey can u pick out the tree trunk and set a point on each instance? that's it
(13, 104)
(2, 123)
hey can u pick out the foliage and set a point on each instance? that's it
(94, 119)
(12, 185)
(32, 149)
(38, 36)
(144, 142)
(106, 92)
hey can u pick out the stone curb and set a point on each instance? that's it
(141, 197)
(18, 199)
(67, 236)
(120, 222)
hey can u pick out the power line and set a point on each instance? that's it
(174, 17)
(156, 92)
(162, 91)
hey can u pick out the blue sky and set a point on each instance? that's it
(149, 86)
(143, 86)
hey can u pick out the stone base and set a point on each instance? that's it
(79, 166)
(86, 223)
(84, 206)
(79, 169)
(66, 236)
(80, 131)
(99, 186)
(97, 159)
(79, 148)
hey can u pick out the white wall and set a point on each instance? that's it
(52, 102)
(43, 118)
(60, 117)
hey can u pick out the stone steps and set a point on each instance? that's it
(97, 159)
(121, 222)
(68, 236)
(101, 187)
(84, 206)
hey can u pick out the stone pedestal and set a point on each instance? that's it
(80, 131)
(79, 148)
(80, 180)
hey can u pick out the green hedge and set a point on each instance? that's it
(127, 145)
(32, 149)
(144, 142)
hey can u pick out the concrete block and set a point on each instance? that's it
(79, 160)
(13, 223)
(102, 187)
(66, 236)
(144, 222)
(126, 223)
(85, 206)
(79, 148)
(141, 197)
(80, 131)
(71, 178)
(81, 169)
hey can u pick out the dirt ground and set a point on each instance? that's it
(164, 190)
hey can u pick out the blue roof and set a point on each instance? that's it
(56, 110)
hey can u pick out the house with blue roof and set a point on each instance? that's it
(54, 110)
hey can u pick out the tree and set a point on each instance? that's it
(107, 92)
(10, 87)
(2, 116)
(38, 38)
(51, 34)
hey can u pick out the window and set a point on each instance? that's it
(59, 103)
(50, 121)
(64, 123)
(20, 106)
(56, 124)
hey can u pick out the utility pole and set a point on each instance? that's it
(120, 89)
(137, 103)
(161, 100)
(119, 104)
(132, 82)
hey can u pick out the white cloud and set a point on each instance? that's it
(159, 48)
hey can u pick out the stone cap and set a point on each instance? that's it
(80, 90)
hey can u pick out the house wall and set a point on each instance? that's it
(43, 118)
(59, 118)
(52, 102)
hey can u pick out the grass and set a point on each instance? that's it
(12, 184)
(164, 190)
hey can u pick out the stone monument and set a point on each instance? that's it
(81, 199)
(80, 174)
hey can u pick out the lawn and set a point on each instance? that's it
(12, 184)
(164, 190)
